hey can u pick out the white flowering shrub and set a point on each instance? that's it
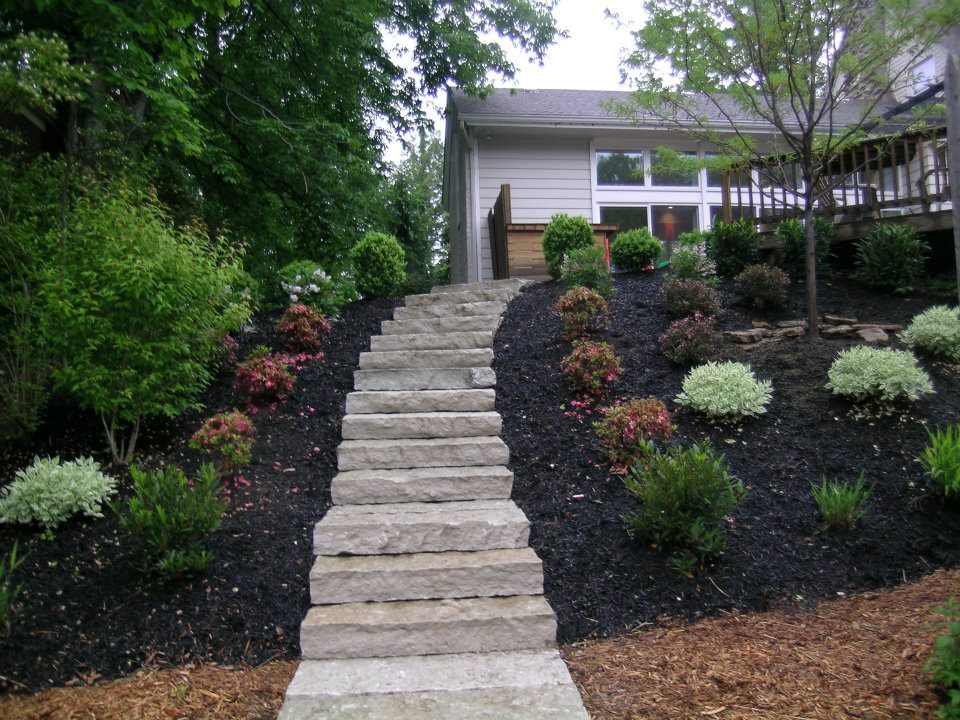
(306, 283)
(725, 391)
(935, 331)
(867, 374)
(49, 492)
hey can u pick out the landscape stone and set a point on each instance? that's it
(430, 326)
(461, 310)
(793, 324)
(420, 425)
(873, 335)
(424, 576)
(396, 359)
(404, 528)
(456, 297)
(762, 324)
(424, 378)
(792, 331)
(747, 336)
(399, 401)
(837, 320)
(839, 330)
(513, 284)
(888, 327)
(413, 453)
(433, 341)
(425, 627)
(426, 485)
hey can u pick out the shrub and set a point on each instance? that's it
(563, 234)
(732, 246)
(941, 459)
(378, 265)
(685, 493)
(944, 665)
(8, 591)
(590, 367)
(263, 378)
(793, 245)
(891, 257)
(135, 306)
(305, 282)
(587, 267)
(866, 374)
(228, 435)
(48, 492)
(629, 428)
(169, 517)
(302, 327)
(693, 264)
(725, 391)
(935, 331)
(683, 298)
(693, 239)
(635, 249)
(690, 340)
(765, 285)
(583, 312)
(841, 504)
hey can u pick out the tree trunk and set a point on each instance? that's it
(813, 316)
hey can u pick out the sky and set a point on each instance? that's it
(588, 59)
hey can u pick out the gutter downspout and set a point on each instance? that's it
(474, 170)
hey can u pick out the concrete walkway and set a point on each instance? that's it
(427, 602)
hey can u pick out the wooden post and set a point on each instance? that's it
(727, 209)
(952, 97)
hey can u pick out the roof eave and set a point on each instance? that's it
(586, 122)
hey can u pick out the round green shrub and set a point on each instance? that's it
(378, 265)
(49, 492)
(793, 245)
(725, 391)
(765, 285)
(563, 234)
(685, 494)
(635, 249)
(891, 257)
(935, 331)
(732, 246)
(686, 297)
(866, 374)
(587, 267)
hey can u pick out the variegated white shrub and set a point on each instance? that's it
(725, 391)
(867, 374)
(935, 331)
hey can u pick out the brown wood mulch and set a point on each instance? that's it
(860, 657)
(195, 692)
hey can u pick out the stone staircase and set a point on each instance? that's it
(426, 601)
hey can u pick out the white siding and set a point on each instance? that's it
(545, 177)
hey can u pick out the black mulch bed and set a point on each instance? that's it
(86, 612)
(601, 582)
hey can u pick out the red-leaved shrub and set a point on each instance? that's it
(691, 340)
(583, 312)
(628, 430)
(229, 436)
(302, 327)
(685, 297)
(263, 378)
(590, 367)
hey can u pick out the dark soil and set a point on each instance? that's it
(601, 582)
(87, 612)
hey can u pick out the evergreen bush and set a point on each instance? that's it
(891, 257)
(587, 267)
(563, 234)
(635, 249)
(378, 265)
(732, 246)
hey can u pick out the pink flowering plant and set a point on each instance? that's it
(629, 429)
(302, 327)
(591, 368)
(583, 312)
(264, 378)
(229, 436)
(690, 340)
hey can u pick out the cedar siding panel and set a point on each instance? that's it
(545, 177)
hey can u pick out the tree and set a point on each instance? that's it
(790, 64)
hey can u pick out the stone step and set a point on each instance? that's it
(456, 297)
(515, 284)
(430, 326)
(433, 341)
(424, 378)
(421, 453)
(399, 401)
(526, 684)
(439, 311)
(423, 359)
(425, 576)
(427, 627)
(383, 426)
(422, 485)
(403, 528)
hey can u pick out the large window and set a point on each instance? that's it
(665, 174)
(669, 221)
(619, 168)
(923, 74)
(628, 218)
(737, 213)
